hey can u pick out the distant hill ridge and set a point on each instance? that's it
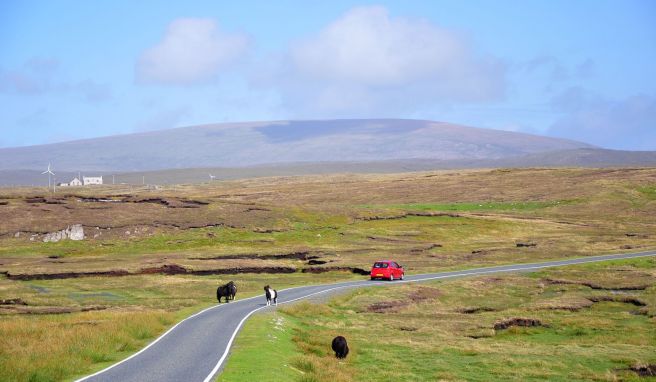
(277, 142)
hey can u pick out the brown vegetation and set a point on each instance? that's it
(355, 270)
(424, 293)
(420, 294)
(476, 309)
(167, 269)
(25, 309)
(592, 285)
(302, 255)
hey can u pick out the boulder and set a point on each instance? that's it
(74, 232)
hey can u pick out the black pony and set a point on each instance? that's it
(228, 291)
(340, 347)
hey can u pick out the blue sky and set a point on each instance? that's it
(576, 69)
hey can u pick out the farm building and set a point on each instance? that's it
(72, 183)
(91, 180)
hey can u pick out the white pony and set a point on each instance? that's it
(271, 294)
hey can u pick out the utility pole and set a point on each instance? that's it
(113, 180)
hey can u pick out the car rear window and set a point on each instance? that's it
(381, 265)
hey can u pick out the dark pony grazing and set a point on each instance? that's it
(271, 294)
(228, 291)
(340, 347)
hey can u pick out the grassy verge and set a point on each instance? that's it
(596, 322)
(263, 352)
(56, 347)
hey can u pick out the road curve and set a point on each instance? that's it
(196, 348)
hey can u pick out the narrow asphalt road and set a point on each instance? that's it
(196, 348)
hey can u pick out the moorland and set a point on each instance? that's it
(152, 255)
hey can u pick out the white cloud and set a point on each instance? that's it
(192, 50)
(612, 123)
(368, 62)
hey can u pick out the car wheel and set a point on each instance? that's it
(391, 277)
(402, 276)
(373, 278)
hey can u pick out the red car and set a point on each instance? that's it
(387, 269)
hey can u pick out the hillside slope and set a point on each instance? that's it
(253, 143)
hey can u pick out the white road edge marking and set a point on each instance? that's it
(493, 269)
(481, 271)
(155, 341)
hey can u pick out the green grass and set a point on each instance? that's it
(477, 206)
(648, 191)
(263, 351)
(266, 349)
(567, 213)
(153, 292)
(51, 347)
(198, 240)
(430, 339)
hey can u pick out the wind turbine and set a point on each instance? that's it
(49, 172)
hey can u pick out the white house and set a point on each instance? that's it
(90, 180)
(72, 183)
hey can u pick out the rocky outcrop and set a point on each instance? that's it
(648, 370)
(13, 301)
(74, 232)
(527, 322)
